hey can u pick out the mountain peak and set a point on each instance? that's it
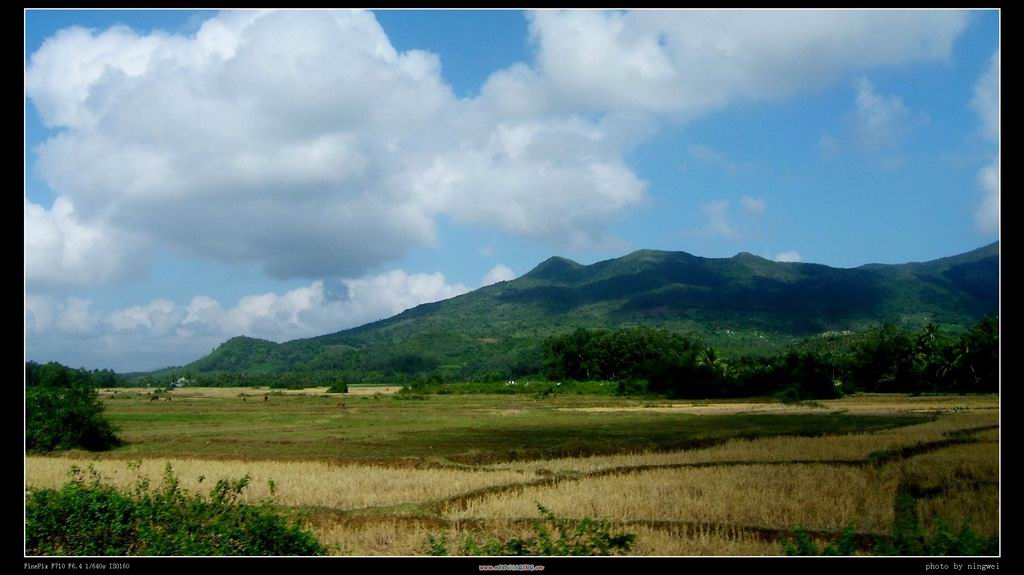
(748, 256)
(556, 268)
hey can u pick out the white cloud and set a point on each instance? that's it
(162, 332)
(314, 309)
(986, 99)
(499, 273)
(74, 318)
(384, 295)
(721, 221)
(789, 257)
(687, 63)
(159, 317)
(754, 206)
(986, 104)
(305, 142)
(557, 179)
(880, 121)
(717, 212)
(63, 249)
(38, 312)
(709, 155)
(986, 218)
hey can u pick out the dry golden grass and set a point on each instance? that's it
(861, 404)
(899, 404)
(387, 536)
(815, 496)
(955, 506)
(296, 483)
(954, 466)
(968, 476)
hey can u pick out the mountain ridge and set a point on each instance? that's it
(758, 304)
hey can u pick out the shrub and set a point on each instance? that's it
(584, 537)
(338, 388)
(801, 544)
(89, 518)
(631, 387)
(64, 411)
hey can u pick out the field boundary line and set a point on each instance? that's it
(875, 459)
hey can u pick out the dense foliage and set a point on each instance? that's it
(53, 374)
(587, 537)
(884, 359)
(63, 410)
(89, 518)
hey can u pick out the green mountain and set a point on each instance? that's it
(742, 304)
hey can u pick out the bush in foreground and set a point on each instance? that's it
(585, 537)
(89, 518)
(63, 411)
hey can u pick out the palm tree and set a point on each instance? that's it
(709, 358)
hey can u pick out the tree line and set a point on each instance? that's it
(884, 359)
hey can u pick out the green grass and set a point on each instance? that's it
(462, 428)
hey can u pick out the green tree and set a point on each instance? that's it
(63, 411)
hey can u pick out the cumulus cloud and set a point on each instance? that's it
(160, 317)
(62, 249)
(687, 63)
(163, 332)
(556, 179)
(986, 104)
(499, 273)
(305, 142)
(314, 309)
(789, 257)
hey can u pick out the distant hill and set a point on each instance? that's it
(742, 304)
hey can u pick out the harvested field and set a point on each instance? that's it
(374, 475)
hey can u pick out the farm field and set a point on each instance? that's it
(374, 473)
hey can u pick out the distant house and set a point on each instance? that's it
(182, 382)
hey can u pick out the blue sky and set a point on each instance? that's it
(191, 176)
